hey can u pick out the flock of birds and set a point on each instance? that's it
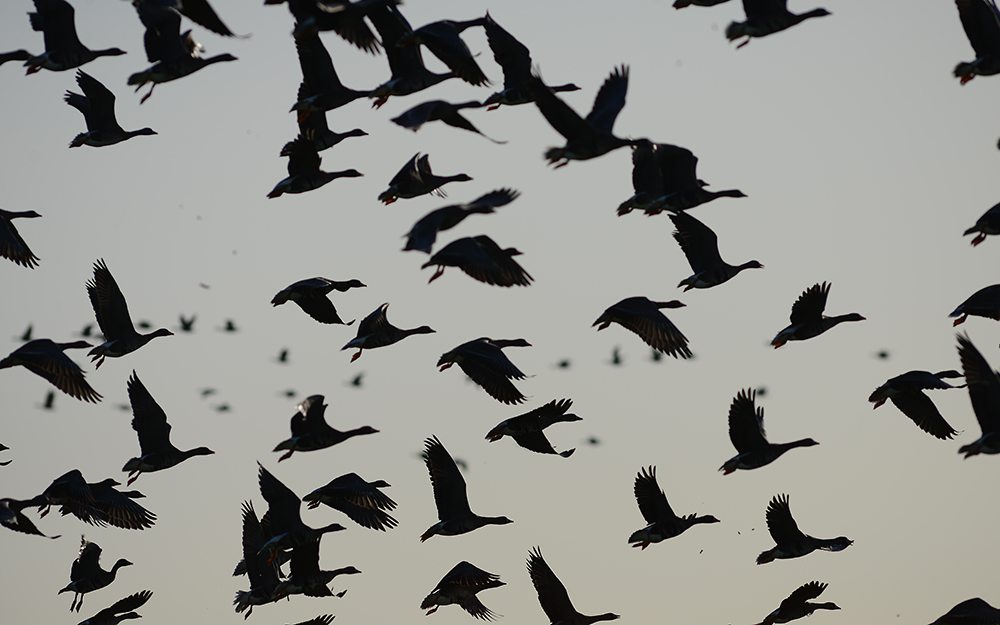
(664, 180)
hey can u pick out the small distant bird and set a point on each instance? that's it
(989, 223)
(643, 317)
(482, 259)
(311, 296)
(12, 246)
(662, 522)
(484, 361)
(616, 356)
(111, 311)
(282, 356)
(304, 173)
(12, 518)
(311, 432)
(907, 393)
(48, 360)
(701, 247)
(26, 335)
(87, 574)
(357, 381)
(150, 424)
(981, 21)
(222, 408)
(376, 331)
(565, 363)
(443, 39)
(439, 110)
(416, 179)
(459, 587)
(807, 317)
(121, 610)
(50, 401)
(765, 17)
(970, 612)
(791, 542)
(63, 50)
(362, 501)
(187, 325)
(230, 326)
(526, 429)
(984, 392)
(450, 496)
(553, 597)
(588, 137)
(746, 431)
(797, 604)
(98, 107)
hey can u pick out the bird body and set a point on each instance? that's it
(12, 246)
(304, 173)
(981, 22)
(96, 503)
(791, 541)
(989, 222)
(121, 610)
(311, 432)
(63, 50)
(797, 604)
(459, 587)
(311, 296)
(701, 247)
(423, 234)
(515, 60)
(481, 258)
(983, 303)
(765, 17)
(907, 393)
(527, 429)
(643, 317)
(98, 107)
(984, 393)
(808, 320)
(746, 431)
(663, 523)
(87, 574)
(553, 597)
(415, 179)
(970, 612)
(483, 360)
(47, 359)
(376, 331)
(362, 501)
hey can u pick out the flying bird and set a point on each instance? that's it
(482, 259)
(304, 173)
(321, 89)
(808, 320)
(443, 39)
(98, 107)
(361, 501)
(287, 529)
(797, 604)
(12, 246)
(983, 303)
(376, 331)
(989, 223)
(643, 317)
(907, 393)
(48, 360)
(120, 610)
(12, 517)
(526, 429)
(514, 59)
(970, 612)
(553, 597)
(483, 360)
(459, 587)
(746, 431)
(701, 247)
(311, 296)
(981, 21)
(765, 17)
(87, 574)
(984, 393)
(439, 110)
(262, 574)
(311, 432)
(663, 523)
(416, 179)
(97, 503)
(791, 542)
(56, 19)
(423, 234)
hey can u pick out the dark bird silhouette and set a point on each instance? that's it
(797, 604)
(63, 50)
(443, 39)
(765, 17)
(376, 331)
(970, 612)
(111, 310)
(907, 393)
(287, 529)
(174, 55)
(450, 496)
(12, 518)
(361, 501)
(807, 317)
(262, 574)
(415, 179)
(553, 597)
(320, 80)
(680, 4)
(12, 246)
(311, 432)
(481, 258)
(459, 587)
(98, 107)
(120, 610)
(345, 18)
(304, 173)
(526, 429)
(588, 137)
(660, 517)
(483, 360)
(306, 576)
(87, 574)
(746, 431)
(984, 393)
(48, 360)
(313, 127)
(198, 11)
(282, 357)
(981, 22)
(187, 324)
(983, 303)
(150, 423)
(27, 334)
(701, 246)
(98, 503)
(989, 223)
(514, 58)
(643, 317)
(791, 542)
(439, 110)
(311, 296)
(423, 234)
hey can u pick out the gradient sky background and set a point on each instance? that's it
(864, 161)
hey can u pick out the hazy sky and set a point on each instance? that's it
(863, 160)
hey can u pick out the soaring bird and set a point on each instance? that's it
(907, 393)
(553, 597)
(481, 258)
(989, 222)
(643, 317)
(701, 246)
(311, 432)
(111, 310)
(983, 303)
(87, 574)
(791, 542)
(807, 317)
(588, 137)
(984, 392)
(981, 21)
(98, 107)
(450, 496)
(483, 360)
(120, 610)
(526, 429)
(416, 178)
(376, 331)
(514, 58)
(423, 234)
(48, 360)
(459, 587)
(662, 522)
(12, 246)
(311, 296)
(746, 431)
(150, 423)
(797, 604)
(970, 612)
(304, 173)
(63, 50)
(361, 501)
(765, 17)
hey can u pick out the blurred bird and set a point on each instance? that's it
(765, 17)
(311, 296)
(459, 587)
(415, 179)
(311, 432)
(12, 246)
(701, 247)
(282, 357)
(970, 612)
(111, 311)
(230, 326)
(983, 303)
(454, 514)
(361, 501)
(515, 60)
(553, 597)
(87, 574)
(989, 223)
(482, 259)
(443, 40)
(121, 610)
(662, 522)
(16, 55)
(907, 393)
(984, 392)
(304, 173)
(12, 518)
(791, 542)
(643, 317)
(98, 107)
(198, 11)
(439, 110)
(63, 50)
(484, 361)
(345, 18)
(808, 320)
(48, 360)
(746, 431)
(187, 325)
(376, 331)
(50, 401)
(423, 234)
(526, 429)
(981, 21)
(797, 604)
(26, 335)
(357, 381)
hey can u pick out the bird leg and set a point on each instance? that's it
(146, 97)
(356, 356)
(437, 274)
